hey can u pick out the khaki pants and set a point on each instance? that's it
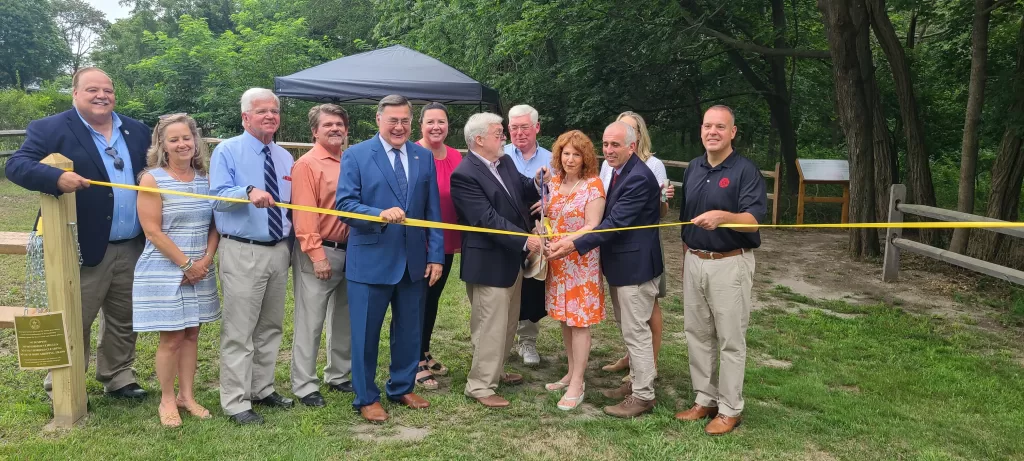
(633, 306)
(315, 301)
(254, 279)
(108, 287)
(716, 310)
(494, 317)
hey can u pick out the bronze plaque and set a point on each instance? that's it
(42, 341)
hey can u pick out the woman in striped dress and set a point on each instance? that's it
(175, 290)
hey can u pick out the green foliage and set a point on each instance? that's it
(30, 46)
(18, 108)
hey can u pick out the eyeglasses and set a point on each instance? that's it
(500, 136)
(118, 161)
(167, 116)
(397, 121)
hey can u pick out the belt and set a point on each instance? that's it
(337, 245)
(254, 242)
(715, 255)
(118, 242)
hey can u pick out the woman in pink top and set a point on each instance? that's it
(434, 127)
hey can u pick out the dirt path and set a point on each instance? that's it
(814, 263)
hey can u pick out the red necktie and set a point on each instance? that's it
(615, 176)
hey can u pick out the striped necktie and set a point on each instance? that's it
(274, 220)
(403, 182)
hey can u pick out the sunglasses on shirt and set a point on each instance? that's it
(118, 161)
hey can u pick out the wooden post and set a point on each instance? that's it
(64, 294)
(775, 195)
(891, 263)
(846, 203)
(800, 202)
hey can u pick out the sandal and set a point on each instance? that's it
(437, 368)
(618, 365)
(194, 409)
(426, 381)
(574, 401)
(556, 386)
(169, 419)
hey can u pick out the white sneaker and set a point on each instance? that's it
(528, 351)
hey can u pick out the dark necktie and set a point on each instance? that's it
(274, 221)
(403, 182)
(615, 176)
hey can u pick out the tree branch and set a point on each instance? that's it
(997, 5)
(754, 48)
(697, 103)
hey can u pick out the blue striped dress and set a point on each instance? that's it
(159, 301)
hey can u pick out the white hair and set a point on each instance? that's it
(257, 94)
(478, 125)
(523, 109)
(630, 132)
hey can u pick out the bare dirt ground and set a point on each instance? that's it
(814, 263)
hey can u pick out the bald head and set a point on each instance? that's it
(718, 130)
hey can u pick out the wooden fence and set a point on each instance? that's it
(896, 244)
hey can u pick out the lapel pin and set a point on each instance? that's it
(417, 157)
(126, 132)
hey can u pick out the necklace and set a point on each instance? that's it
(563, 201)
(176, 177)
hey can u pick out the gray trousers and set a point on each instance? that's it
(254, 279)
(716, 311)
(107, 287)
(315, 301)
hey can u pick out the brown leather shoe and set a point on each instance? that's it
(697, 412)
(413, 401)
(374, 413)
(620, 392)
(493, 401)
(631, 407)
(512, 378)
(722, 425)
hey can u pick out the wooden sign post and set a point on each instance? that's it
(823, 172)
(64, 294)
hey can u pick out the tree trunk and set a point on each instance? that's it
(919, 173)
(847, 29)
(1008, 168)
(975, 102)
(883, 152)
(781, 108)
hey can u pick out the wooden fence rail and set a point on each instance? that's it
(895, 243)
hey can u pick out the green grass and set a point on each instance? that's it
(883, 385)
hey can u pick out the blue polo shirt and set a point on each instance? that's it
(736, 186)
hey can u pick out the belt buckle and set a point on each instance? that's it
(708, 254)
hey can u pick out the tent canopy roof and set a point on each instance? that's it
(365, 78)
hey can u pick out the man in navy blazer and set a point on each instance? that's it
(631, 262)
(488, 191)
(390, 177)
(104, 146)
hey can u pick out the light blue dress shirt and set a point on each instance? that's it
(391, 155)
(235, 164)
(124, 222)
(529, 167)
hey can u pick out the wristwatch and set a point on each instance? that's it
(248, 189)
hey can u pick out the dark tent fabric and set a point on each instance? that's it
(365, 78)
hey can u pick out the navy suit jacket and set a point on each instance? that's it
(65, 133)
(492, 259)
(379, 254)
(629, 257)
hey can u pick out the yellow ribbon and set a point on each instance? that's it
(459, 227)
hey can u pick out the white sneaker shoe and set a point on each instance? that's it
(528, 351)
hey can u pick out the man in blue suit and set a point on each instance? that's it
(631, 262)
(390, 177)
(104, 146)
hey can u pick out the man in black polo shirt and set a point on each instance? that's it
(722, 187)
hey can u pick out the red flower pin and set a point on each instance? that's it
(723, 183)
(287, 178)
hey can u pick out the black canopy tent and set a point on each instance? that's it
(365, 78)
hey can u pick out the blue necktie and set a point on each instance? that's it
(403, 182)
(270, 179)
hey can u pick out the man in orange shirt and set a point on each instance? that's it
(318, 262)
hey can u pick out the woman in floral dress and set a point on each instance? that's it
(575, 294)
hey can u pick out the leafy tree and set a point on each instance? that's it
(30, 46)
(78, 24)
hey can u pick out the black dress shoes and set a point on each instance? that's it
(131, 391)
(313, 399)
(343, 387)
(275, 400)
(246, 417)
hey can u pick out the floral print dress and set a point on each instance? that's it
(575, 294)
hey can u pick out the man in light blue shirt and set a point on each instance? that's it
(524, 126)
(254, 256)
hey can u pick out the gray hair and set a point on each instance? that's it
(393, 100)
(630, 132)
(725, 108)
(257, 94)
(524, 109)
(477, 125)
